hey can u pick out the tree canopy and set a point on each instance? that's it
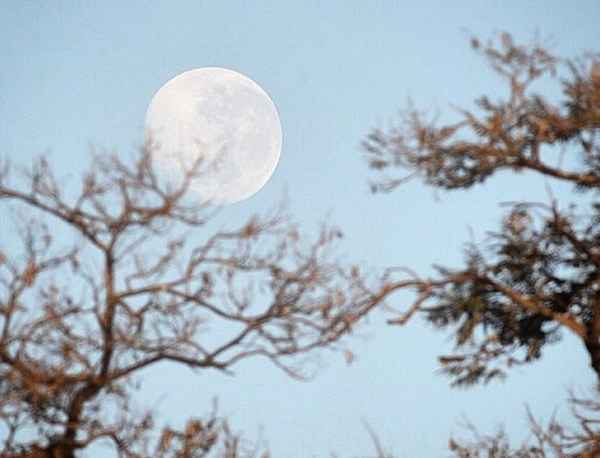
(539, 273)
(110, 279)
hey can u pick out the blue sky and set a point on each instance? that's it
(76, 74)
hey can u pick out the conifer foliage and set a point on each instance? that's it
(540, 271)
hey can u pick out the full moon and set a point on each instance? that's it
(225, 120)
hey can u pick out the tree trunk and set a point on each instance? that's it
(52, 451)
(592, 341)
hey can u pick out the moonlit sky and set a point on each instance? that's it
(76, 74)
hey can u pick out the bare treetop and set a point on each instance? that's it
(505, 133)
(116, 278)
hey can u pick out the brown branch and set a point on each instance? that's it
(532, 306)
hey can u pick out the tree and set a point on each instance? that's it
(540, 272)
(112, 277)
(554, 440)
